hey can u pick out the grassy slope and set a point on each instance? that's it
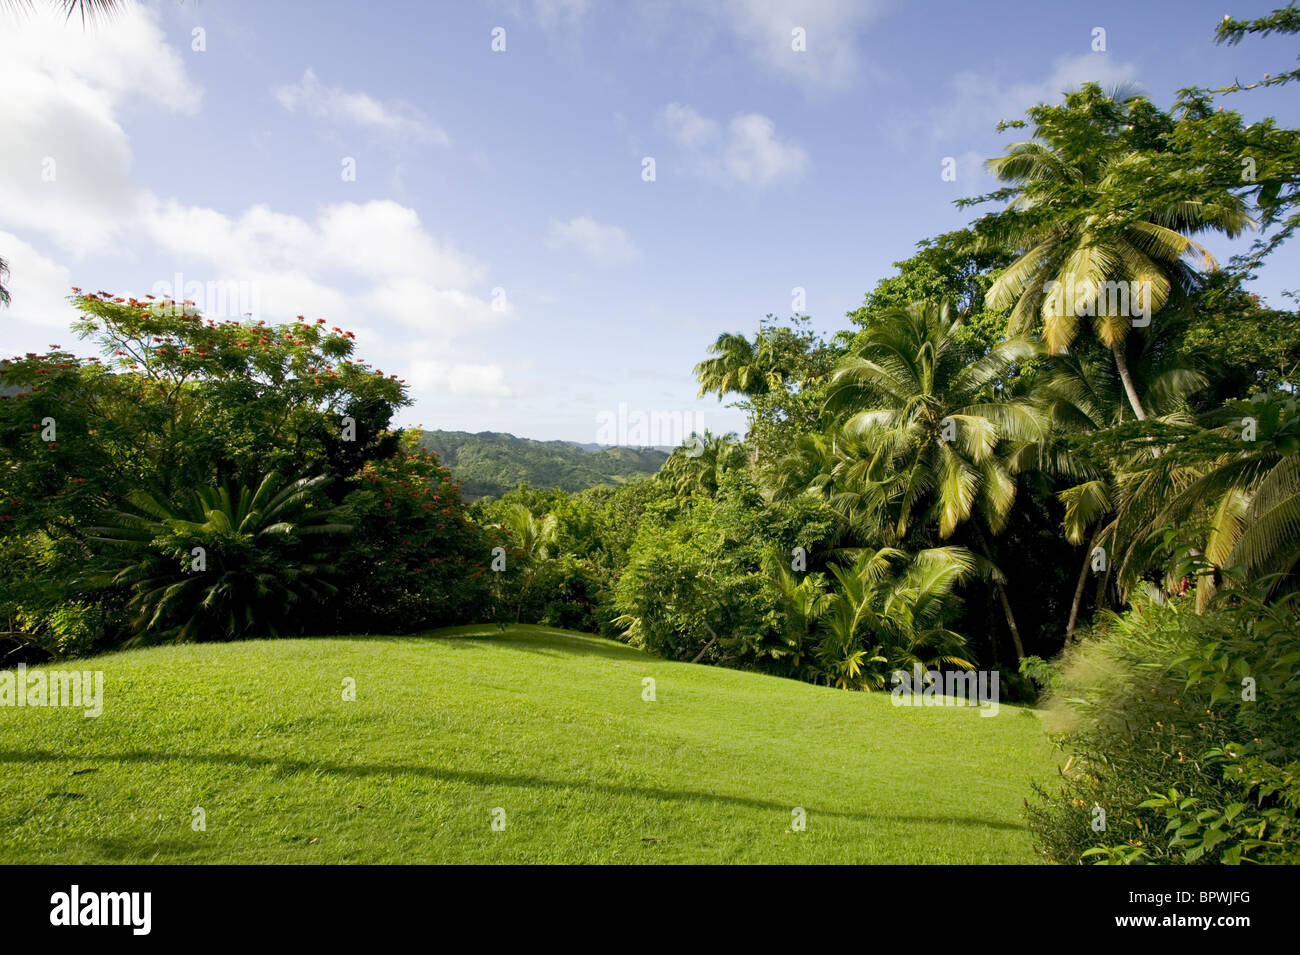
(546, 724)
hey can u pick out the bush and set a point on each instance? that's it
(413, 559)
(1184, 730)
(572, 590)
(687, 579)
(44, 613)
(222, 563)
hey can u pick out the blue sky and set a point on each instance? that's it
(499, 247)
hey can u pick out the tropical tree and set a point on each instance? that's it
(942, 437)
(214, 401)
(804, 602)
(413, 560)
(838, 467)
(889, 613)
(933, 423)
(221, 563)
(4, 277)
(1082, 396)
(533, 535)
(1235, 490)
(533, 538)
(1083, 252)
(1219, 146)
(700, 462)
(738, 365)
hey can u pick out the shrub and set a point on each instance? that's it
(413, 559)
(1184, 730)
(223, 563)
(687, 579)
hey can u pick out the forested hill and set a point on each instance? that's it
(490, 463)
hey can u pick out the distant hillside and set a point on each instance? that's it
(489, 463)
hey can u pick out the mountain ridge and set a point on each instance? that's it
(489, 463)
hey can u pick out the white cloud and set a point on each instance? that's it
(832, 59)
(460, 380)
(380, 246)
(979, 100)
(603, 244)
(357, 109)
(688, 128)
(127, 56)
(37, 285)
(747, 150)
(66, 162)
(367, 265)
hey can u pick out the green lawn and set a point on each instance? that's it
(546, 724)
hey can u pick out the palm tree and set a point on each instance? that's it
(4, 275)
(220, 563)
(1247, 495)
(931, 419)
(534, 536)
(1081, 396)
(698, 465)
(938, 440)
(888, 614)
(803, 602)
(1077, 236)
(838, 467)
(740, 366)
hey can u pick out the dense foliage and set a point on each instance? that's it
(1184, 739)
(212, 480)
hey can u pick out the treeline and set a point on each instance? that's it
(217, 480)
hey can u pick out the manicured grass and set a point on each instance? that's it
(546, 724)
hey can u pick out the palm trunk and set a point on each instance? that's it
(1078, 590)
(1121, 364)
(1002, 595)
(1011, 623)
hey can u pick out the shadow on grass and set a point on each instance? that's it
(540, 641)
(288, 767)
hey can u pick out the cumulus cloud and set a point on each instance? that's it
(462, 380)
(380, 247)
(832, 60)
(65, 167)
(357, 109)
(747, 150)
(603, 244)
(37, 285)
(372, 265)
